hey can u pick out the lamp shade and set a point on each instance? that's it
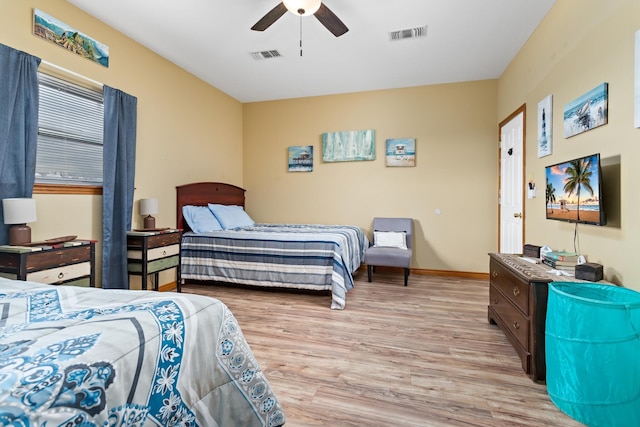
(19, 210)
(302, 7)
(148, 206)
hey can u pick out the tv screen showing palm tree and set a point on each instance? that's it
(574, 191)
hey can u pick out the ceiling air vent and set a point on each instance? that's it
(409, 33)
(265, 54)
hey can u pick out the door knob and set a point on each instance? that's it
(517, 215)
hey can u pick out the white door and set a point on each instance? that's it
(512, 183)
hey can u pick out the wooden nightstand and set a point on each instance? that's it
(72, 263)
(152, 252)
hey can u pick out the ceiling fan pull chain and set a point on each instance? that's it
(300, 35)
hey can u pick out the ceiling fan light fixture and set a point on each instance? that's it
(302, 7)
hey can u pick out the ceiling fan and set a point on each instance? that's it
(303, 8)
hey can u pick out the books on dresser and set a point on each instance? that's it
(560, 265)
(562, 256)
(561, 260)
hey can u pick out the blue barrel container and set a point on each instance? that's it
(593, 353)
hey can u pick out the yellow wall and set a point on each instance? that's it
(580, 45)
(456, 167)
(188, 131)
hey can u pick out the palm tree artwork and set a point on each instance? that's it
(550, 195)
(579, 172)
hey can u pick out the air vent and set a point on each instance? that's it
(409, 33)
(265, 54)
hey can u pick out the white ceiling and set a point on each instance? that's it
(466, 40)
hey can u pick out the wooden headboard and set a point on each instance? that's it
(203, 193)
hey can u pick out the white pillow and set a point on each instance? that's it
(231, 216)
(390, 239)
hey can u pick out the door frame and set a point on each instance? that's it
(522, 109)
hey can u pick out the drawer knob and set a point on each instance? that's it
(516, 324)
(164, 252)
(516, 292)
(495, 300)
(494, 274)
(60, 275)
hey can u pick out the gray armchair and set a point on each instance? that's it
(387, 249)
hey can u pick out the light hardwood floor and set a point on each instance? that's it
(422, 355)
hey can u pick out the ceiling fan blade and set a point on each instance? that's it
(272, 16)
(330, 21)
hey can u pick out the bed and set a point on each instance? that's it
(297, 256)
(72, 356)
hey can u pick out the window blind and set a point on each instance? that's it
(70, 130)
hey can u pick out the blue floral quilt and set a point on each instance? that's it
(86, 357)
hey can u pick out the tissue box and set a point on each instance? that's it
(532, 251)
(589, 271)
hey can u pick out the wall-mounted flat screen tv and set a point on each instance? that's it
(574, 191)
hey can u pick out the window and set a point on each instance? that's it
(70, 130)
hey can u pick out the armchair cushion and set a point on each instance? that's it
(390, 239)
(388, 257)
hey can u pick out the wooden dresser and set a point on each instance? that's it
(518, 305)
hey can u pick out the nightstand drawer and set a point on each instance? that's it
(153, 240)
(155, 266)
(155, 253)
(59, 257)
(60, 274)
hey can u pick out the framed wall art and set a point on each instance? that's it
(587, 112)
(401, 152)
(61, 34)
(348, 146)
(545, 126)
(301, 158)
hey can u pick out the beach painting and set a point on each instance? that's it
(401, 152)
(61, 34)
(587, 112)
(636, 93)
(573, 190)
(545, 127)
(301, 158)
(348, 146)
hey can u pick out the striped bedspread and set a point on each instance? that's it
(316, 257)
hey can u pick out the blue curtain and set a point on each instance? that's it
(119, 157)
(18, 126)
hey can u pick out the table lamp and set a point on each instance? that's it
(18, 212)
(149, 207)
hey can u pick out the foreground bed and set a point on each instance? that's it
(310, 257)
(73, 356)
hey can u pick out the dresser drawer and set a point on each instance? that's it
(39, 260)
(60, 274)
(514, 321)
(514, 289)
